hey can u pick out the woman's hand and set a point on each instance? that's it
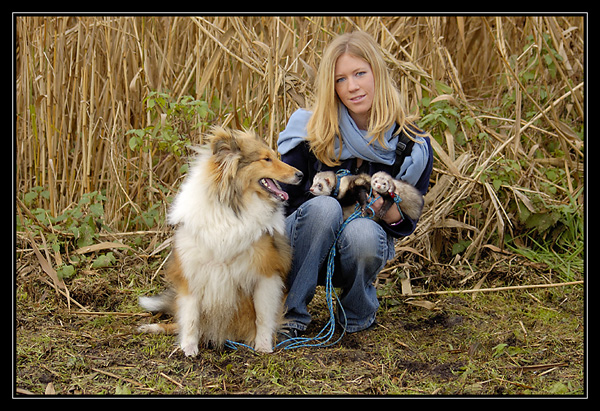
(392, 215)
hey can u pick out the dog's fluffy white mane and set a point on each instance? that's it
(196, 210)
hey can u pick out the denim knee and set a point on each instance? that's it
(365, 240)
(327, 210)
(313, 218)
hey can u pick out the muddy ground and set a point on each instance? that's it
(520, 342)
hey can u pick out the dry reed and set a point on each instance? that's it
(81, 82)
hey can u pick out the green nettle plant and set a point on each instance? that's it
(172, 121)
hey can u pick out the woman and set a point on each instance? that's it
(354, 124)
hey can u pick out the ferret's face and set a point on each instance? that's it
(320, 187)
(380, 184)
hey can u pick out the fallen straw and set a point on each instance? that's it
(116, 314)
(483, 290)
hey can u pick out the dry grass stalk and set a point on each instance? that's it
(508, 288)
(81, 83)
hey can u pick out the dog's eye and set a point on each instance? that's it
(267, 159)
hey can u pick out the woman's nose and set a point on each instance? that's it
(352, 85)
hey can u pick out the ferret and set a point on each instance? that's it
(411, 200)
(356, 188)
(352, 189)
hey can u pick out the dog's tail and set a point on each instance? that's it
(163, 302)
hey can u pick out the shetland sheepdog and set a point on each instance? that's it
(230, 254)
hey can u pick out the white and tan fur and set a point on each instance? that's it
(230, 253)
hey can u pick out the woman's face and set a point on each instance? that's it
(355, 86)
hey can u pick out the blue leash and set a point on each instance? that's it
(323, 338)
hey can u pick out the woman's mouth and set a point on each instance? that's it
(358, 98)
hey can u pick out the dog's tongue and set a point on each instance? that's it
(273, 187)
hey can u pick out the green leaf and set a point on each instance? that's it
(134, 143)
(65, 271)
(542, 221)
(551, 174)
(460, 246)
(497, 183)
(29, 197)
(97, 210)
(443, 88)
(122, 390)
(106, 260)
(86, 236)
(559, 388)
(499, 350)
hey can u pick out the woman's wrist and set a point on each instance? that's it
(396, 223)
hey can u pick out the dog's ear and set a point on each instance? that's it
(223, 142)
(226, 150)
(227, 155)
(251, 133)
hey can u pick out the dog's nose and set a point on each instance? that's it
(299, 175)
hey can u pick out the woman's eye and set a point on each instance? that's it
(339, 80)
(361, 73)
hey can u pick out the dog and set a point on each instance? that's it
(230, 254)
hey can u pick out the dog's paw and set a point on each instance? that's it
(190, 350)
(263, 345)
(264, 349)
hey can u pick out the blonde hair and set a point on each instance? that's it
(323, 126)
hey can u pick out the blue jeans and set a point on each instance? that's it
(362, 251)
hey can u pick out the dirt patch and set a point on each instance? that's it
(443, 371)
(439, 319)
(490, 345)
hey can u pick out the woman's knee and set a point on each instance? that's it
(364, 239)
(315, 223)
(324, 206)
(324, 209)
